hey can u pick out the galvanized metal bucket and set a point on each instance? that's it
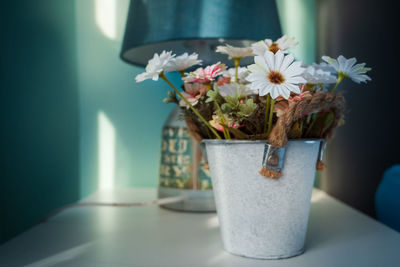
(262, 217)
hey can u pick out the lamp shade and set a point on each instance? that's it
(196, 26)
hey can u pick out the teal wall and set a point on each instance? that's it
(298, 19)
(39, 144)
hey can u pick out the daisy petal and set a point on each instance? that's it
(269, 59)
(274, 92)
(286, 62)
(284, 92)
(349, 63)
(296, 79)
(294, 70)
(279, 56)
(265, 90)
(260, 61)
(333, 62)
(293, 88)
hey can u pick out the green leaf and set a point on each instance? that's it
(226, 107)
(246, 109)
(232, 101)
(212, 96)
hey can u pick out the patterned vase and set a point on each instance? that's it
(183, 170)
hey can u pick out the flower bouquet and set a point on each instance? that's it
(268, 119)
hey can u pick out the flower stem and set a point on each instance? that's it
(236, 68)
(162, 76)
(225, 131)
(340, 78)
(271, 113)
(266, 113)
(182, 73)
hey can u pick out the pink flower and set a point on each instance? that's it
(193, 100)
(297, 98)
(195, 88)
(193, 92)
(223, 80)
(282, 105)
(215, 122)
(208, 74)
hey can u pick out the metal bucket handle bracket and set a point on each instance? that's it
(273, 157)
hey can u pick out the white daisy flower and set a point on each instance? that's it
(284, 43)
(235, 52)
(242, 74)
(235, 89)
(182, 62)
(155, 66)
(276, 74)
(313, 75)
(348, 68)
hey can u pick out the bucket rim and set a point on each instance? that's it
(237, 142)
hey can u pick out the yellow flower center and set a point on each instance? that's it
(275, 77)
(274, 48)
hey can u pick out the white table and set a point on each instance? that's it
(151, 236)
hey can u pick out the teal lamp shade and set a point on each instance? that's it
(196, 26)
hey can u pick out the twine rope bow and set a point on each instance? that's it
(320, 101)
